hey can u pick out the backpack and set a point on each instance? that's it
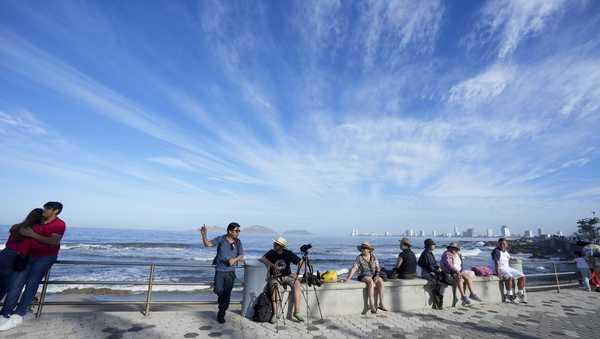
(482, 271)
(262, 308)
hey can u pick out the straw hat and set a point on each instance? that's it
(365, 244)
(406, 242)
(453, 244)
(281, 242)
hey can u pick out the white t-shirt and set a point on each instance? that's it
(503, 258)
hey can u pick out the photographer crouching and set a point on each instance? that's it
(278, 262)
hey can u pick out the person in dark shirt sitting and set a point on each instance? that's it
(431, 271)
(278, 262)
(406, 264)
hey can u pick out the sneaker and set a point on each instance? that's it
(298, 317)
(383, 308)
(475, 297)
(465, 301)
(522, 298)
(12, 322)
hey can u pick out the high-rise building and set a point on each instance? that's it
(469, 233)
(456, 232)
(490, 232)
(505, 231)
(540, 231)
(529, 234)
(422, 234)
(434, 233)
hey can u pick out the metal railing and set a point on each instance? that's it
(150, 283)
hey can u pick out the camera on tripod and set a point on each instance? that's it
(304, 248)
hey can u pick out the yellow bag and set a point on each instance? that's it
(329, 277)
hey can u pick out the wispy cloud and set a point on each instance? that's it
(508, 22)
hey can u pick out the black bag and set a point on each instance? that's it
(447, 278)
(20, 263)
(262, 308)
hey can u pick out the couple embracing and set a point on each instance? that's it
(31, 249)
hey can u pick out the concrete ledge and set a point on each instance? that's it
(399, 296)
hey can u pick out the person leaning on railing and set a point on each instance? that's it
(229, 253)
(43, 254)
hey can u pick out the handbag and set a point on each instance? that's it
(20, 263)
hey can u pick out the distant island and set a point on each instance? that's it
(257, 229)
(297, 232)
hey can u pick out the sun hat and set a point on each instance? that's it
(281, 242)
(406, 242)
(365, 244)
(453, 244)
(429, 242)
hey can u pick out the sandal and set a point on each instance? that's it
(381, 307)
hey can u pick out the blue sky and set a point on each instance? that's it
(324, 115)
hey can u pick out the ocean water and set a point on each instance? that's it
(185, 247)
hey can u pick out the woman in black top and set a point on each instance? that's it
(406, 265)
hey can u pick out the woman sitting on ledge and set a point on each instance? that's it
(452, 263)
(368, 269)
(406, 264)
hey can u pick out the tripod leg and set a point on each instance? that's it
(318, 303)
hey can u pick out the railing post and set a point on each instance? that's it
(556, 277)
(38, 312)
(149, 293)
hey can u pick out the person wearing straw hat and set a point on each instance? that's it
(368, 268)
(278, 262)
(452, 263)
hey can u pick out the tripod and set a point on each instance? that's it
(307, 275)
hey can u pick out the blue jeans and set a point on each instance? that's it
(7, 259)
(223, 286)
(30, 278)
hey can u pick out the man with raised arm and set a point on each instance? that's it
(229, 253)
(43, 254)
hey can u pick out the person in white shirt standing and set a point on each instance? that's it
(501, 265)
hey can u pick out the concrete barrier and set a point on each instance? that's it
(351, 297)
(399, 296)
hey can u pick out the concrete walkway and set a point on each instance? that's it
(571, 314)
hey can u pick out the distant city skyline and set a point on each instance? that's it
(327, 115)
